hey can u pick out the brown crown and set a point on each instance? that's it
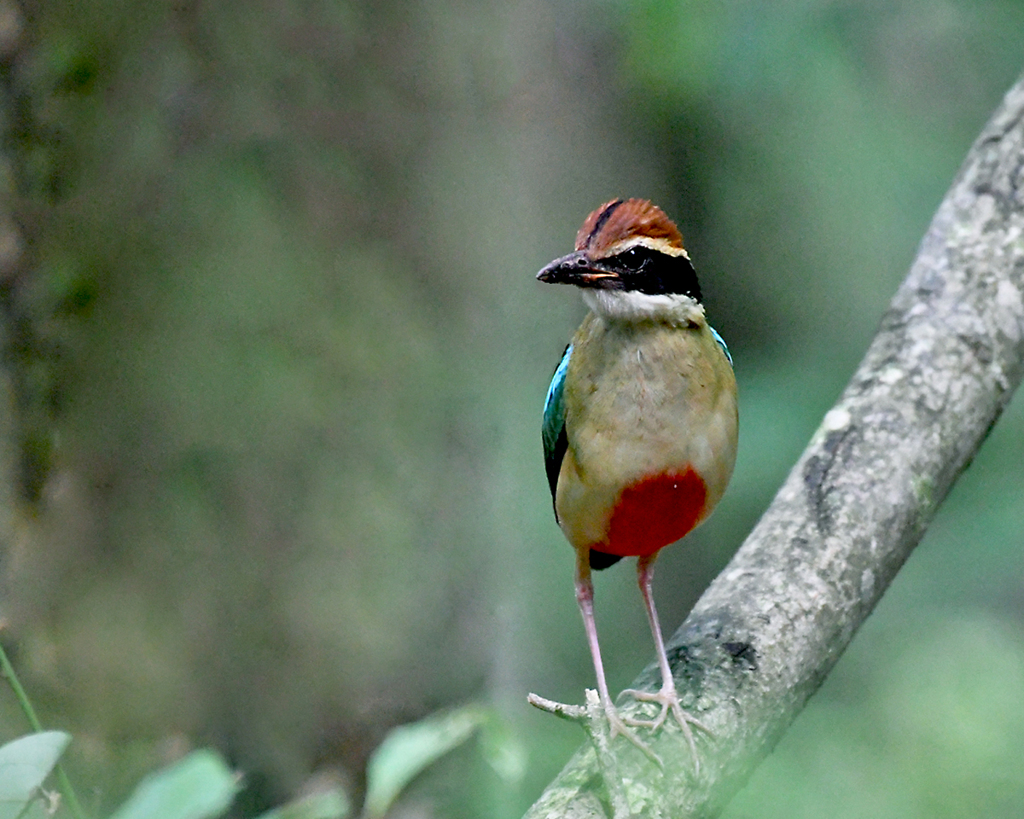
(622, 219)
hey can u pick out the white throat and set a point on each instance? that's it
(633, 306)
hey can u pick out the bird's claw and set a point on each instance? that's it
(668, 699)
(618, 725)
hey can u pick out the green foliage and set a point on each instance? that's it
(409, 749)
(332, 804)
(24, 765)
(201, 786)
(198, 786)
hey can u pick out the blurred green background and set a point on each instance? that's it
(280, 358)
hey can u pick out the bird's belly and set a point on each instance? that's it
(635, 516)
(654, 512)
(651, 438)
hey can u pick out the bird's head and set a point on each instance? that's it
(630, 261)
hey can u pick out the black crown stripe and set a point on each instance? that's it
(602, 220)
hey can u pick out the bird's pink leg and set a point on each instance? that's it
(585, 599)
(667, 697)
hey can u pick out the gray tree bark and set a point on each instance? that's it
(944, 364)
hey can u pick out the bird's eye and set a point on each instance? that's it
(634, 258)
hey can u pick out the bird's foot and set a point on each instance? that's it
(668, 699)
(618, 725)
(590, 714)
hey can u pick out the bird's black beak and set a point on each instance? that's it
(577, 268)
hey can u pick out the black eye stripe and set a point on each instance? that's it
(655, 273)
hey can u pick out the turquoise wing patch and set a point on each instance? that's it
(553, 430)
(721, 343)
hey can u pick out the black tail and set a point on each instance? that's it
(602, 560)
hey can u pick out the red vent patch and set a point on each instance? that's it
(654, 512)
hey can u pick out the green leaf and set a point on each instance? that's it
(409, 749)
(24, 764)
(196, 787)
(332, 804)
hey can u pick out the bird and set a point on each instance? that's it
(640, 421)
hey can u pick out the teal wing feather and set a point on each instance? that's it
(721, 343)
(553, 431)
(556, 443)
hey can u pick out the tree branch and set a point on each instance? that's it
(759, 642)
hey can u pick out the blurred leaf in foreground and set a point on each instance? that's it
(410, 749)
(24, 764)
(199, 786)
(331, 804)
